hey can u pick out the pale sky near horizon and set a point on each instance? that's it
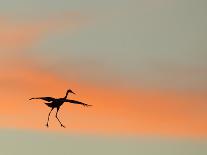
(34, 143)
(141, 63)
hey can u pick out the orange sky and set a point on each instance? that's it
(115, 110)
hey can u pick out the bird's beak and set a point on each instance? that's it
(73, 92)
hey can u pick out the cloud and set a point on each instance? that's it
(17, 35)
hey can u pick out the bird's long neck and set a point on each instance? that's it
(66, 95)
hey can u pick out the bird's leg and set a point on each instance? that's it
(58, 118)
(49, 117)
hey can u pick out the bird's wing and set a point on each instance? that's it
(77, 102)
(49, 99)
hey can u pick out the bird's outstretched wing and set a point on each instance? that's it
(77, 102)
(48, 99)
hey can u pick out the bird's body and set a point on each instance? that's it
(57, 103)
(54, 104)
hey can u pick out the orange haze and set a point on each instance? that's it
(115, 110)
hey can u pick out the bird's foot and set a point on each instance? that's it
(62, 126)
(47, 125)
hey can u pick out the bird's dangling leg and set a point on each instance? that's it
(48, 119)
(58, 118)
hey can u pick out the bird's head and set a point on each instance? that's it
(70, 91)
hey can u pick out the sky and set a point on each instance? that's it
(52, 143)
(140, 63)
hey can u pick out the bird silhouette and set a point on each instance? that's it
(57, 103)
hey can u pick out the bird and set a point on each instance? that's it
(57, 103)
